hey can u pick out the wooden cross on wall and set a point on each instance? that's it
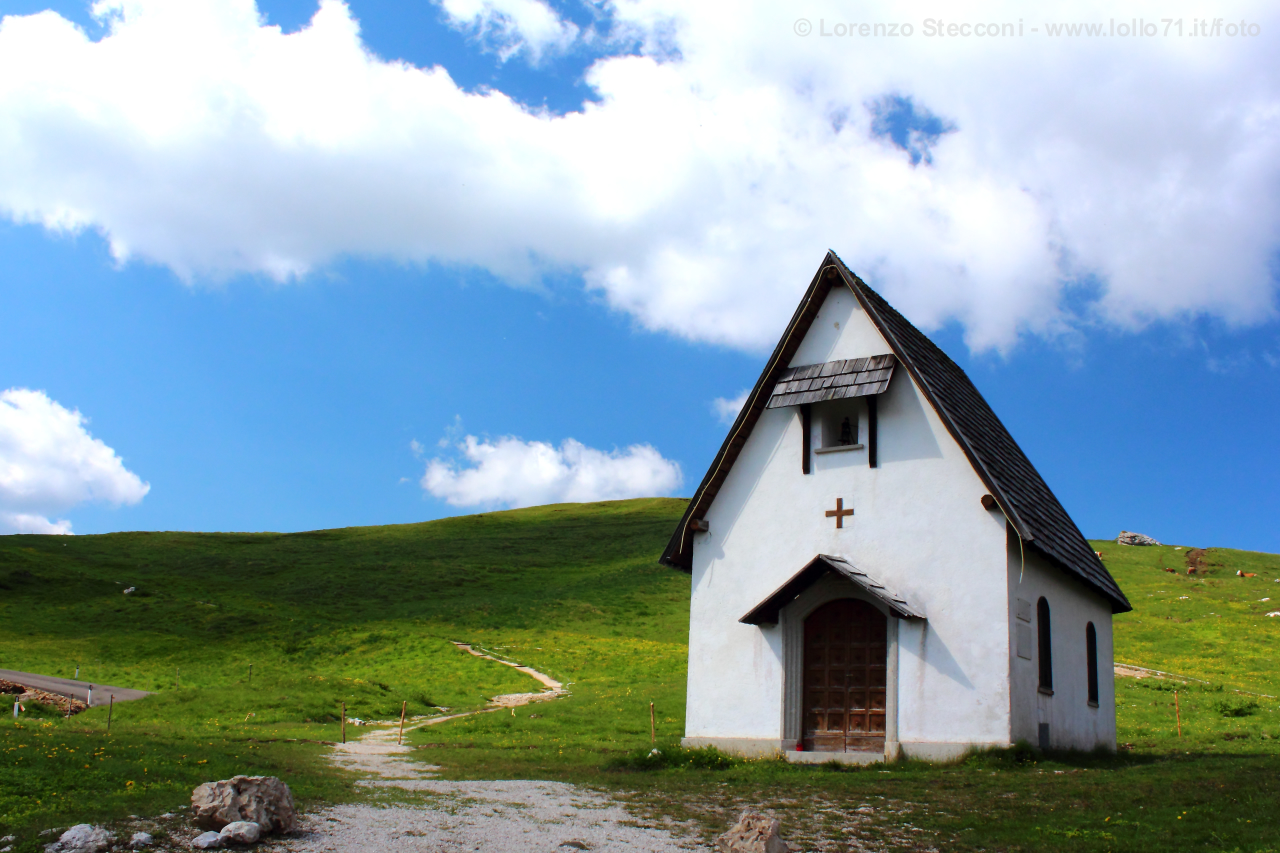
(839, 512)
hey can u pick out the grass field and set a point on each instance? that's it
(365, 616)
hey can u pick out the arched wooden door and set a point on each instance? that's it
(845, 668)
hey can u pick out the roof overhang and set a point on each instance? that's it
(766, 612)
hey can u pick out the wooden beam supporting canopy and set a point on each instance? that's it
(806, 428)
(872, 432)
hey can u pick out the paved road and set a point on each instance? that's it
(102, 693)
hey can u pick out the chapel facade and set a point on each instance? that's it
(878, 569)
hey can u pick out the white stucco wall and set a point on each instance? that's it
(1072, 605)
(919, 527)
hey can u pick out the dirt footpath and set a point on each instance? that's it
(477, 817)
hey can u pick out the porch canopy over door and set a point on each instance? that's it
(766, 612)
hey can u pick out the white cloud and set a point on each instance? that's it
(512, 25)
(49, 463)
(727, 410)
(515, 473)
(1133, 179)
(25, 522)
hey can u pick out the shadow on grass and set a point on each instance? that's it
(672, 757)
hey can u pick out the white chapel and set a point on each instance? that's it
(878, 569)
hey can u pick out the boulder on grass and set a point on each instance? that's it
(753, 833)
(240, 832)
(141, 840)
(264, 800)
(82, 838)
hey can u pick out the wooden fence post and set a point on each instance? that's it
(344, 722)
(403, 706)
(111, 707)
(653, 727)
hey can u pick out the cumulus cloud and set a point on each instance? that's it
(510, 26)
(514, 473)
(727, 410)
(49, 463)
(25, 522)
(1011, 184)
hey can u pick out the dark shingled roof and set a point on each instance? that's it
(1024, 497)
(834, 380)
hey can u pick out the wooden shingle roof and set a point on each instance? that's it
(834, 380)
(1022, 494)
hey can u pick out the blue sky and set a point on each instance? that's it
(251, 399)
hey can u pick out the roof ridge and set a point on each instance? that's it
(1030, 506)
(1037, 515)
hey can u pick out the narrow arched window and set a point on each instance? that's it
(1045, 646)
(1091, 656)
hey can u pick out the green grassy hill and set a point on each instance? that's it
(362, 615)
(1210, 626)
(365, 616)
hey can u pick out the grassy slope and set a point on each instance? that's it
(364, 615)
(361, 615)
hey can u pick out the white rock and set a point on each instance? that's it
(1128, 538)
(131, 590)
(265, 800)
(207, 841)
(753, 833)
(1274, 613)
(8, 838)
(140, 840)
(81, 838)
(241, 832)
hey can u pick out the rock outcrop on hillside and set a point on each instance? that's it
(1128, 538)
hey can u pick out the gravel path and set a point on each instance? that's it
(485, 817)
(476, 817)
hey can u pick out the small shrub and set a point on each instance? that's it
(1236, 707)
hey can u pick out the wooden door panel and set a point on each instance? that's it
(845, 672)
